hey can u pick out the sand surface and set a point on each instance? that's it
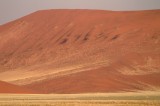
(79, 51)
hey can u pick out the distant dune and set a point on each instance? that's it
(82, 51)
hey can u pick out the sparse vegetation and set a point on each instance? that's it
(116, 99)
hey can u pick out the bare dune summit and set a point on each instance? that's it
(82, 51)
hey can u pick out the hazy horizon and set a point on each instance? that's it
(12, 10)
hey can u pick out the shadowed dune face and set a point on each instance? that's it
(9, 88)
(52, 49)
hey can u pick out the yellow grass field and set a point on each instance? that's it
(108, 99)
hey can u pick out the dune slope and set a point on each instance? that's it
(10, 88)
(50, 50)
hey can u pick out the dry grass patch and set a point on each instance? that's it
(110, 99)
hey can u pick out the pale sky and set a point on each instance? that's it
(13, 9)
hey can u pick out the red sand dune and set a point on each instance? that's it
(10, 88)
(100, 81)
(98, 51)
(105, 79)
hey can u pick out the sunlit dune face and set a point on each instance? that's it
(75, 51)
